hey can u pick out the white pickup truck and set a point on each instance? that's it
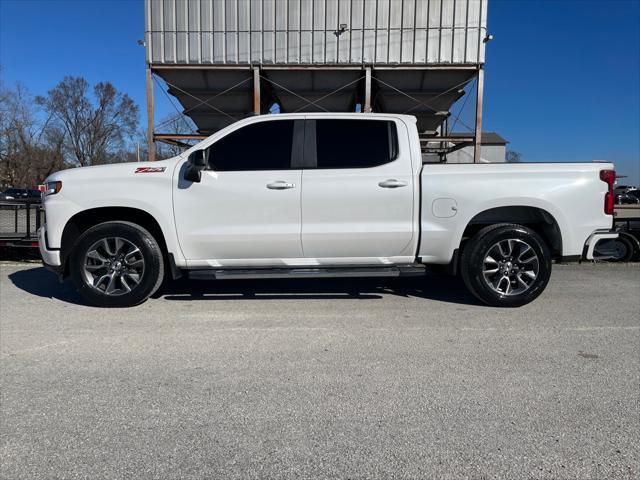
(302, 195)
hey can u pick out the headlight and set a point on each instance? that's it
(51, 188)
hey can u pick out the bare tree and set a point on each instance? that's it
(513, 156)
(30, 149)
(172, 123)
(95, 130)
(175, 124)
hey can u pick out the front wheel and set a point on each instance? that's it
(116, 264)
(506, 265)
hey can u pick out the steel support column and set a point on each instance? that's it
(367, 90)
(478, 135)
(256, 91)
(150, 116)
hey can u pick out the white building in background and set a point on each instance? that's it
(494, 150)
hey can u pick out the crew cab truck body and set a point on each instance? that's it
(324, 195)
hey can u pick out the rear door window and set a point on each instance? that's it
(355, 143)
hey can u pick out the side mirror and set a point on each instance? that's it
(196, 162)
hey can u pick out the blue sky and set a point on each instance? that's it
(562, 77)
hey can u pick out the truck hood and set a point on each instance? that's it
(115, 171)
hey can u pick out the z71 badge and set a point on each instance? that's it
(149, 169)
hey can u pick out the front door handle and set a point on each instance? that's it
(392, 183)
(280, 185)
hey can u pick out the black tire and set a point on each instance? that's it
(150, 276)
(482, 245)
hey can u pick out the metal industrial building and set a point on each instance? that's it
(225, 59)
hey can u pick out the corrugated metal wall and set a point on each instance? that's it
(305, 32)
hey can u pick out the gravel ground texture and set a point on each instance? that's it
(357, 378)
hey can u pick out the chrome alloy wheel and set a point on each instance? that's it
(510, 267)
(113, 266)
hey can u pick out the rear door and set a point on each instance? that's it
(246, 209)
(358, 191)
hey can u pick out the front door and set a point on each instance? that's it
(358, 201)
(246, 209)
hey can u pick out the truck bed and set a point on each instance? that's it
(569, 195)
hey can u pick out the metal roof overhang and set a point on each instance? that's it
(215, 96)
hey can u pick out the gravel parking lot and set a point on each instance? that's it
(350, 378)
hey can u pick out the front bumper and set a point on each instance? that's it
(593, 240)
(50, 257)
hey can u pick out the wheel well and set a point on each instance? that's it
(538, 220)
(86, 219)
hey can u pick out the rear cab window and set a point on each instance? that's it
(355, 143)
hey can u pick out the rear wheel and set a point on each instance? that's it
(116, 264)
(506, 265)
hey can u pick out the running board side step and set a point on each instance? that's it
(411, 270)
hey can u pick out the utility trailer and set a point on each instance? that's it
(626, 247)
(19, 222)
(627, 223)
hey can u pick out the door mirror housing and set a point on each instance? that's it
(196, 163)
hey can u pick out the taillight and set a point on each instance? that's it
(609, 177)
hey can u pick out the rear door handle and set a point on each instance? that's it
(392, 183)
(280, 185)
